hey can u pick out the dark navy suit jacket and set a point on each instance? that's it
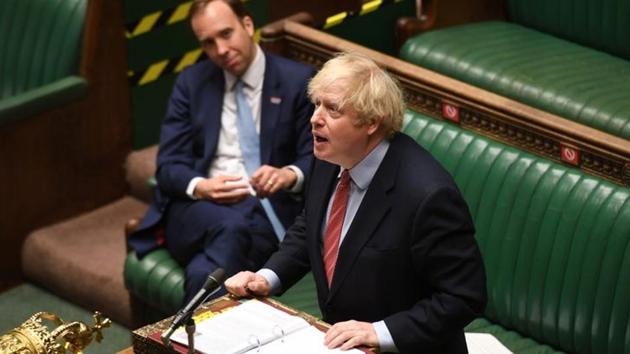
(190, 133)
(409, 257)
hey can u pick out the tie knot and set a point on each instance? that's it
(345, 178)
(240, 85)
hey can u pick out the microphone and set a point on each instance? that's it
(212, 285)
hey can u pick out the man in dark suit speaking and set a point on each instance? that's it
(235, 146)
(384, 230)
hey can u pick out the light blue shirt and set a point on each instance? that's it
(360, 178)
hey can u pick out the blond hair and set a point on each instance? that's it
(369, 90)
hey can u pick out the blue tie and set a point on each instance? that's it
(250, 148)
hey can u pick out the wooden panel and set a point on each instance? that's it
(472, 108)
(69, 159)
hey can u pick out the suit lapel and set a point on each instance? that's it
(211, 102)
(375, 206)
(271, 100)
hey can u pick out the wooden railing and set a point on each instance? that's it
(472, 108)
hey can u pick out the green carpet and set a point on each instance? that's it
(18, 304)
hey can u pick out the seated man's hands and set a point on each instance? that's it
(350, 334)
(247, 284)
(222, 189)
(267, 180)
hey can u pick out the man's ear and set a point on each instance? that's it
(374, 125)
(248, 24)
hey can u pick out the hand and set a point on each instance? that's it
(247, 284)
(267, 180)
(350, 334)
(222, 189)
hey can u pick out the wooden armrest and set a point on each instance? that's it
(271, 35)
(407, 27)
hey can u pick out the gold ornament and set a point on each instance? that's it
(33, 337)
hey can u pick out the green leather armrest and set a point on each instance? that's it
(55, 94)
(156, 278)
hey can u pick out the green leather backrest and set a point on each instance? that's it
(555, 241)
(600, 24)
(39, 42)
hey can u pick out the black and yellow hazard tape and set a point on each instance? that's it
(169, 66)
(164, 67)
(158, 19)
(366, 8)
(175, 65)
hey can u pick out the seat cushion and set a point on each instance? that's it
(82, 258)
(554, 75)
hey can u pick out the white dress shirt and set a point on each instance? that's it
(228, 159)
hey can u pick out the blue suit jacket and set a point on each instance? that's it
(409, 257)
(190, 133)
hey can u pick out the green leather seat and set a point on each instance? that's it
(561, 57)
(555, 241)
(39, 55)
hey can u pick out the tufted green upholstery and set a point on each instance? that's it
(157, 278)
(39, 55)
(566, 57)
(600, 24)
(555, 241)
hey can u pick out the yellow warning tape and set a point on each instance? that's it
(365, 9)
(180, 13)
(335, 19)
(146, 24)
(158, 19)
(370, 6)
(188, 59)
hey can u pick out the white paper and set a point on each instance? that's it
(484, 343)
(307, 340)
(241, 328)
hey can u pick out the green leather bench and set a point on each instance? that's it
(39, 60)
(555, 241)
(564, 57)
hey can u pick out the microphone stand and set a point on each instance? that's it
(190, 330)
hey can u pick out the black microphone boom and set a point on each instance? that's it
(212, 284)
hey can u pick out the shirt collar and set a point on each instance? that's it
(253, 74)
(363, 172)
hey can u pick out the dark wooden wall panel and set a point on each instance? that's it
(70, 159)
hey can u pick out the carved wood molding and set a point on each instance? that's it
(475, 109)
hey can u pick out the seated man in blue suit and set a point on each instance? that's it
(384, 230)
(235, 146)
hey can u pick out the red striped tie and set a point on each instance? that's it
(333, 227)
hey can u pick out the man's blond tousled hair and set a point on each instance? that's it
(371, 91)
